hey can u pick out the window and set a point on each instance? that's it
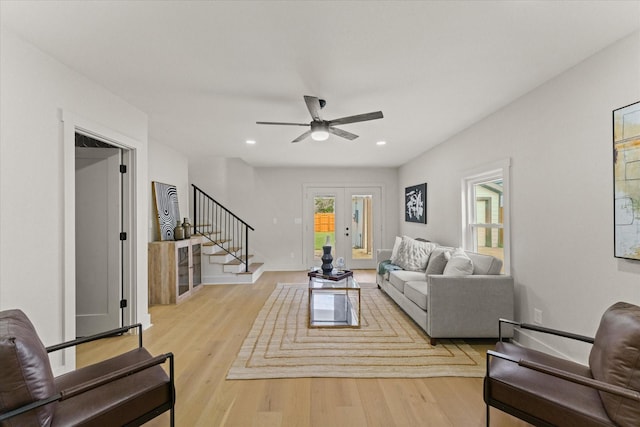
(485, 200)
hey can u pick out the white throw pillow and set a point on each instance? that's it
(413, 254)
(396, 246)
(459, 264)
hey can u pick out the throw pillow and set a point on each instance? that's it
(459, 264)
(413, 255)
(437, 261)
(394, 251)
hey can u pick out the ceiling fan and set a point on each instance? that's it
(320, 129)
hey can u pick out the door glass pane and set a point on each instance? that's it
(361, 230)
(324, 224)
(197, 265)
(183, 270)
(489, 209)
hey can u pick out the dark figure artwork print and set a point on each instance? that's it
(415, 203)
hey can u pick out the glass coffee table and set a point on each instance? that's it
(334, 300)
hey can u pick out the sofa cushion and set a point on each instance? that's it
(26, 372)
(459, 264)
(417, 293)
(615, 359)
(437, 261)
(399, 277)
(413, 254)
(485, 264)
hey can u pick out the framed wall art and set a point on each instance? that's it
(626, 181)
(165, 197)
(415, 203)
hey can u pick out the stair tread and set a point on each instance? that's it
(215, 243)
(236, 261)
(253, 267)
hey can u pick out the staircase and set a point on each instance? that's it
(225, 249)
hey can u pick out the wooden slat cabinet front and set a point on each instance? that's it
(171, 270)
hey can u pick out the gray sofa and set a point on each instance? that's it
(452, 306)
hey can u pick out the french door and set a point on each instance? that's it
(346, 217)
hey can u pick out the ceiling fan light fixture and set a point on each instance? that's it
(319, 135)
(319, 131)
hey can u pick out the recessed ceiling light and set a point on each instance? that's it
(250, 141)
(381, 143)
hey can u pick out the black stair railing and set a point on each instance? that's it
(221, 226)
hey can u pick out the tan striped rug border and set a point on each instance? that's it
(388, 345)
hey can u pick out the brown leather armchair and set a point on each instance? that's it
(549, 391)
(129, 389)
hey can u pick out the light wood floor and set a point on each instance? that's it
(206, 331)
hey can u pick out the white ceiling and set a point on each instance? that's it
(205, 71)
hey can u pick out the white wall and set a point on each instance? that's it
(258, 195)
(168, 166)
(559, 138)
(35, 89)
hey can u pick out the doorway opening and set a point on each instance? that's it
(101, 266)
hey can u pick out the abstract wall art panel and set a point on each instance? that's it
(626, 174)
(165, 197)
(415, 203)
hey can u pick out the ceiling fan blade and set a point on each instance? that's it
(282, 123)
(342, 133)
(313, 105)
(356, 118)
(303, 136)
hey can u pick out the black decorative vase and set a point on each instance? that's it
(327, 259)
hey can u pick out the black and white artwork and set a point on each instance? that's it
(415, 203)
(167, 209)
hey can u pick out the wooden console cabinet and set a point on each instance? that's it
(174, 270)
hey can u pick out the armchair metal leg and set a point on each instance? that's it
(488, 410)
(172, 414)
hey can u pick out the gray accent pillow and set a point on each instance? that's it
(437, 261)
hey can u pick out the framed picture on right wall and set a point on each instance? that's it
(626, 181)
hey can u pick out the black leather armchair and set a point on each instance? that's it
(128, 389)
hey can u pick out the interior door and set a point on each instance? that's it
(98, 248)
(349, 218)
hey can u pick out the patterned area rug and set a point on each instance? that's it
(388, 344)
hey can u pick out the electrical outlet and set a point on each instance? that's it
(293, 255)
(537, 316)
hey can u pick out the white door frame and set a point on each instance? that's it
(136, 193)
(308, 220)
